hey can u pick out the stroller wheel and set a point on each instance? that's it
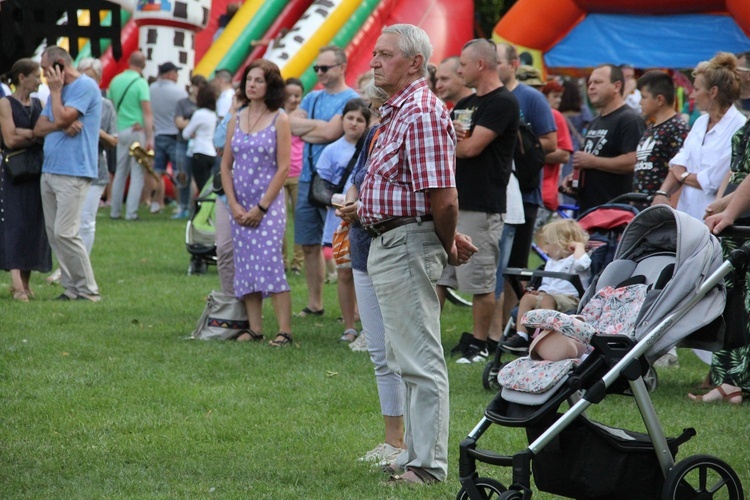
(489, 376)
(702, 476)
(651, 378)
(489, 488)
(197, 266)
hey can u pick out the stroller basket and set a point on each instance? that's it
(622, 463)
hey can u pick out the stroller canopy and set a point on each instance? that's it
(697, 253)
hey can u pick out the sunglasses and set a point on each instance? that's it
(324, 69)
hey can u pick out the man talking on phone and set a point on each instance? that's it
(69, 125)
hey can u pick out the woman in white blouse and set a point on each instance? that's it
(702, 165)
(200, 129)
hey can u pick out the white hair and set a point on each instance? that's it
(94, 65)
(374, 94)
(413, 41)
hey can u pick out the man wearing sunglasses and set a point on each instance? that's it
(318, 122)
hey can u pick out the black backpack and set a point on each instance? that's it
(528, 157)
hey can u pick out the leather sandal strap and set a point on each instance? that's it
(422, 474)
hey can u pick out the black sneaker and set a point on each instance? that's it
(516, 343)
(473, 354)
(463, 343)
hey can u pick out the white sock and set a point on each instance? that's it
(525, 336)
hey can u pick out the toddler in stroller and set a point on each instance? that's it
(604, 226)
(670, 264)
(564, 242)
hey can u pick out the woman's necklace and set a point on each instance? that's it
(251, 127)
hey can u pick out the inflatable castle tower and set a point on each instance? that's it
(167, 31)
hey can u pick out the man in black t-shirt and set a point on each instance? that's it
(484, 156)
(607, 160)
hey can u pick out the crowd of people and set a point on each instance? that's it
(426, 155)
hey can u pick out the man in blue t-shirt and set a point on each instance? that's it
(318, 122)
(69, 125)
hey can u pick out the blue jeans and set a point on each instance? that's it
(182, 165)
(505, 244)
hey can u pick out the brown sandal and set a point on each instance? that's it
(413, 475)
(249, 336)
(286, 339)
(725, 396)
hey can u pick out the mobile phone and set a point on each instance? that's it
(60, 67)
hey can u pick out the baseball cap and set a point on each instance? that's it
(529, 75)
(167, 67)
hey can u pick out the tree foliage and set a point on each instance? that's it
(488, 13)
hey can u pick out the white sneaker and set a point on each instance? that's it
(669, 360)
(359, 345)
(381, 453)
(155, 208)
(473, 354)
(54, 278)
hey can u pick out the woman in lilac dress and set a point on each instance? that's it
(253, 170)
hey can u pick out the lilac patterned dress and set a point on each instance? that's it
(258, 263)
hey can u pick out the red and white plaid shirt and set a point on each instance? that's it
(414, 152)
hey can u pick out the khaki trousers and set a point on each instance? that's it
(62, 201)
(404, 265)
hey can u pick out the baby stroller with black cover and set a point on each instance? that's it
(679, 263)
(604, 225)
(200, 232)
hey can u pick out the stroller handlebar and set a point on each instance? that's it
(633, 197)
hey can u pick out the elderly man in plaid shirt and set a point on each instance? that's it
(409, 205)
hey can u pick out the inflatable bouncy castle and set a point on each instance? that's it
(644, 33)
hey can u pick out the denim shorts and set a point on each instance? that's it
(164, 152)
(308, 220)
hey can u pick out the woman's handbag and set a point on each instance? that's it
(24, 164)
(224, 318)
(321, 190)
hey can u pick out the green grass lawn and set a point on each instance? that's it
(110, 400)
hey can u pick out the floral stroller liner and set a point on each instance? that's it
(611, 311)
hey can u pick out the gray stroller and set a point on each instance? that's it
(676, 266)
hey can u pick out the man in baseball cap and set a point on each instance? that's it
(167, 67)
(165, 92)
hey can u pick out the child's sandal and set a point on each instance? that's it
(281, 340)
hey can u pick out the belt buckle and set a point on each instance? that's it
(372, 231)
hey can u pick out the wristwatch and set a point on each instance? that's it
(684, 176)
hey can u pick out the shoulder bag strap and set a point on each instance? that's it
(575, 131)
(119, 102)
(350, 165)
(310, 146)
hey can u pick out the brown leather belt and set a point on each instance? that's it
(379, 228)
